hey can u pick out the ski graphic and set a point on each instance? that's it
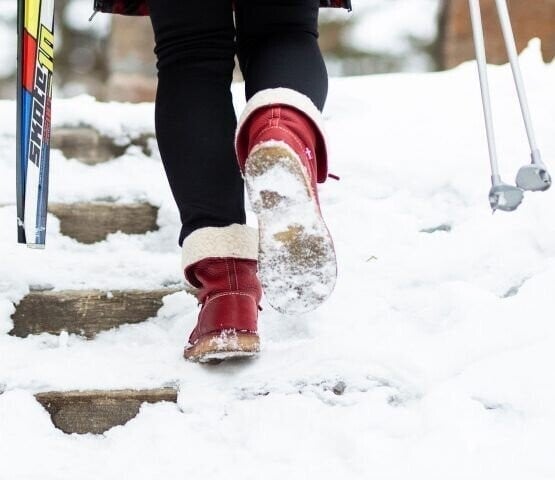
(34, 99)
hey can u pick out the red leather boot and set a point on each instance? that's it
(220, 267)
(281, 150)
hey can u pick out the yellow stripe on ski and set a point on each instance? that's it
(32, 16)
(46, 49)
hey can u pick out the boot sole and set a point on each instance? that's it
(217, 347)
(297, 263)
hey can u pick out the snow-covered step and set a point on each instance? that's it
(89, 146)
(84, 312)
(97, 411)
(90, 222)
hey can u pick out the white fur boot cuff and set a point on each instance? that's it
(235, 241)
(283, 96)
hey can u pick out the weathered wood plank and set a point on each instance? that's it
(93, 222)
(90, 147)
(97, 411)
(84, 312)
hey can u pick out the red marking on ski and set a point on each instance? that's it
(29, 63)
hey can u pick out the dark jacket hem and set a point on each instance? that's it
(140, 7)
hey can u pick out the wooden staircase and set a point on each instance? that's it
(84, 312)
(96, 411)
(93, 221)
(89, 312)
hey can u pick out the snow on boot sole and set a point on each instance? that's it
(226, 345)
(296, 255)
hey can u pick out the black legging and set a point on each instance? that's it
(196, 42)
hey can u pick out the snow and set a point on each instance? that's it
(440, 346)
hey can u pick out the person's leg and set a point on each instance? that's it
(195, 119)
(278, 47)
(195, 127)
(281, 149)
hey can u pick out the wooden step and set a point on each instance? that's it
(97, 411)
(88, 146)
(91, 222)
(84, 312)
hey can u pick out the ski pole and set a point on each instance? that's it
(535, 176)
(502, 196)
(479, 43)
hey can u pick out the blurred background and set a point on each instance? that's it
(111, 57)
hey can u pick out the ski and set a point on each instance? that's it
(34, 99)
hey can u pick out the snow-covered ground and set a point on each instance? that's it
(445, 341)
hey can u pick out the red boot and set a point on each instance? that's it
(220, 265)
(282, 153)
